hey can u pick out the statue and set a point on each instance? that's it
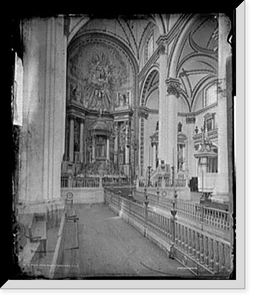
(76, 94)
(179, 127)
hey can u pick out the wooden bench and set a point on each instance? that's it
(37, 231)
(71, 215)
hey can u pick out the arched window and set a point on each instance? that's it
(210, 95)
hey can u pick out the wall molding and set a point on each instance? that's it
(196, 113)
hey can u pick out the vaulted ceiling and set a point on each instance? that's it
(198, 58)
(131, 30)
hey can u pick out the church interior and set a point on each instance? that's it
(141, 101)
(141, 96)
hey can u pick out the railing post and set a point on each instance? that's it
(206, 251)
(186, 238)
(211, 254)
(216, 257)
(157, 193)
(223, 267)
(119, 198)
(70, 181)
(194, 243)
(201, 237)
(189, 241)
(182, 237)
(197, 246)
(146, 214)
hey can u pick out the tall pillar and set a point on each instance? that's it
(93, 148)
(116, 143)
(85, 151)
(154, 157)
(43, 132)
(107, 156)
(224, 52)
(81, 141)
(173, 94)
(163, 113)
(127, 149)
(190, 159)
(71, 138)
(116, 149)
(66, 141)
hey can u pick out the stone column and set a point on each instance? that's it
(163, 113)
(116, 149)
(107, 156)
(66, 141)
(191, 161)
(173, 91)
(115, 143)
(71, 138)
(82, 141)
(85, 150)
(93, 148)
(127, 149)
(44, 113)
(154, 157)
(224, 52)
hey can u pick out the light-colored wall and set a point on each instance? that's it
(84, 195)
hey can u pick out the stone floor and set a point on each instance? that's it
(109, 247)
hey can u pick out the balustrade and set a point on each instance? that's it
(213, 253)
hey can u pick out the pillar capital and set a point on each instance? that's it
(71, 117)
(143, 112)
(162, 49)
(173, 86)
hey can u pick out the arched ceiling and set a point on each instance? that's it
(198, 57)
(130, 31)
(150, 85)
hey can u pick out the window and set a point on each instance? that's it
(210, 95)
(210, 121)
(212, 164)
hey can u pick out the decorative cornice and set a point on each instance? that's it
(212, 134)
(190, 120)
(196, 113)
(173, 87)
(143, 112)
(128, 112)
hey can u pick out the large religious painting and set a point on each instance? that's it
(97, 72)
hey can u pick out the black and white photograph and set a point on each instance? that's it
(124, 144)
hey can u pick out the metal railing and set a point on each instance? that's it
(211, 217)
(79, 182)
(218, 219)
(208, 250)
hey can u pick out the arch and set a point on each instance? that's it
(203, 84)
(107, 38)
(152, 71)
(178, 44)
(80, 23)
